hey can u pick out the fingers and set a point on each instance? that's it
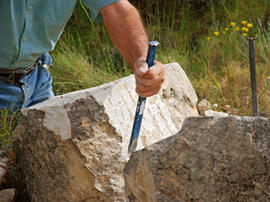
(152, 76)
(149, 81)
(141, 68)
(147, 93)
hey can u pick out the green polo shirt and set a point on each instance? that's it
(29, 28)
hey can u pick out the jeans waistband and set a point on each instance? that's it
(8, 75)
(25, 70)
(14, 77)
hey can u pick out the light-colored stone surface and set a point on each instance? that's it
(210, 159)
(7, 195)
(74, 147)
(215, 113)
(176, 101)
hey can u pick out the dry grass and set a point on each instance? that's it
(232, 87)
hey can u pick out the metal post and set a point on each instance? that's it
(253, 75)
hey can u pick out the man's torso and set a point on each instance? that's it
(29, 28)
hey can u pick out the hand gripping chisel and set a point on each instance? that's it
(141, 101)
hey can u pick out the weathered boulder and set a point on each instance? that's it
(210, 159)
(74, 147)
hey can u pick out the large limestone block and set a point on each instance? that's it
(74, 147)
(210, 159)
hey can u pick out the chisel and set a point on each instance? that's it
(141, 101)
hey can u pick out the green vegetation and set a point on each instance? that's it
(202, 36)
(8, 122)
(217, 66)
(85, 56)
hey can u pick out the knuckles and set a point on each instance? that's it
(151, 82)
(146, 92)
(151, 74)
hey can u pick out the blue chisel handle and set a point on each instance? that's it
(141, 101)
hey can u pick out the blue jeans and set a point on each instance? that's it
(32, 89)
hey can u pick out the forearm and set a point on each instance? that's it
(126, 30)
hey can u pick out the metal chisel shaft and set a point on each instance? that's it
(141, 101)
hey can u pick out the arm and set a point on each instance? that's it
(127, 32)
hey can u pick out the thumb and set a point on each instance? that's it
(141, 69)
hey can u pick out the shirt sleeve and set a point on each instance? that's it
(95, 6)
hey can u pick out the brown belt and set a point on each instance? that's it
(13, 76)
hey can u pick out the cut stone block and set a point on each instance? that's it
(74, 147)
(210, 159)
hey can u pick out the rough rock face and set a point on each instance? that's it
(210, 159)
(74, 147)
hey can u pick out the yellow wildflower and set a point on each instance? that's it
(216, 33)
(244, 22)
(244, 34)
(237, 29)
(249, 25)
(226, 29)
(223, 32)
(244, 29)
(208, 38)
(232, 24)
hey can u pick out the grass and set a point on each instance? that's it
(218, 68)
(8, 122)
(79, 74)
